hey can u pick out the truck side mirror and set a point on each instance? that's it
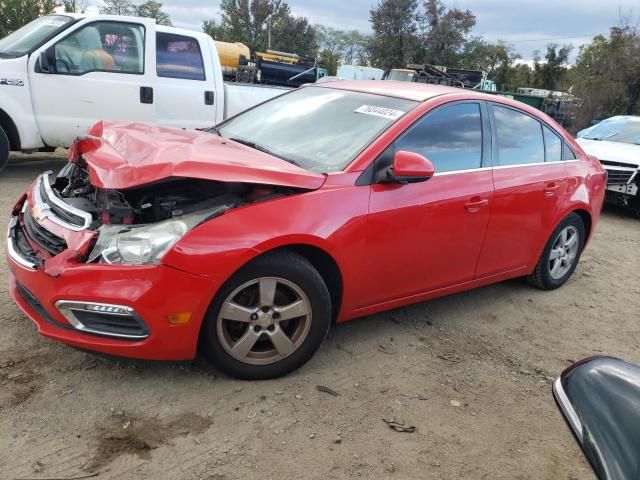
(45, 65)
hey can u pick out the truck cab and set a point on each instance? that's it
(62, 73)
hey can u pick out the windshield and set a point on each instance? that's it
(33, 34)
(319, 129)
(622, 129)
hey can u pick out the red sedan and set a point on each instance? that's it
(328, 203)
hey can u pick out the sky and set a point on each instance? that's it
(528, 24)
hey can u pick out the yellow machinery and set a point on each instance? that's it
(231, 56)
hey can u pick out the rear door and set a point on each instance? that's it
(185, 96)
(104, 70)
(530, 182)
(426, 236)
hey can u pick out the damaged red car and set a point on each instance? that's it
(335, 201)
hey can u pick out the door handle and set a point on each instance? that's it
(475, 204)
(550, 189)
(208, 98)
(146, 95)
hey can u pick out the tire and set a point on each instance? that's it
(4, 149)
(544, 276)
(297, 284)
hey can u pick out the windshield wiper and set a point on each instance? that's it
(260, 148)
(215, 130)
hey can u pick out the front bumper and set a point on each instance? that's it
(154, 292)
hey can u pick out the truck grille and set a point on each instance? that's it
(619, 173)
(40, 235)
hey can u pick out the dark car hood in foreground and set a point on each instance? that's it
(131, 154)
(600, 398)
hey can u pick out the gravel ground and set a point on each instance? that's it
(472, 373)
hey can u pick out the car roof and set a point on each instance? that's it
(418, 92)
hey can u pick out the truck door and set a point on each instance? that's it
(186, 97)
(101, 70)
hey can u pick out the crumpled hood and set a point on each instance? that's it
(127, 154)
(612, 151)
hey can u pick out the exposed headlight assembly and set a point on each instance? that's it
(143, 244)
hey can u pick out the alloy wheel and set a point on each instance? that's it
(564, 252)
(264, 320)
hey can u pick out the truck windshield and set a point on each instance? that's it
(32, 35)
(320, 129)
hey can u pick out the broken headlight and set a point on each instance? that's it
(142, 244)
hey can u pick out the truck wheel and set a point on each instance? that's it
(4, 149)
(268, 319)
(561, 254)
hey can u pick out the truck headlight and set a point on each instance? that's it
(142, 244)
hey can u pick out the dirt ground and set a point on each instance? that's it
(471, 372)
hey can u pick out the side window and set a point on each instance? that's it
(451, 138)
(519, 138)
(567, 153)
(102, 46)
(178, 56)
(552, 145)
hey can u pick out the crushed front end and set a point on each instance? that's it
(86, 265)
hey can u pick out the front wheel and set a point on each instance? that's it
(4, 149)
(561, 254)
(268, 319)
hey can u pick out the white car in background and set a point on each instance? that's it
(616, 142)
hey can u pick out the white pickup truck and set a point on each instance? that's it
(61, 73)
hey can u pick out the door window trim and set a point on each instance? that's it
(79, 74)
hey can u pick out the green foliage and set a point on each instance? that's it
(16, 13)
(606, 76)
(394, 39)
(118, 7)
(152, 9)
(443, 33)
(549, 75)
(75, 6)
(255, 22)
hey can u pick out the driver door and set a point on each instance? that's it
(427, 236)
(102, 70)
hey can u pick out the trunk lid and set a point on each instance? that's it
(122, 155)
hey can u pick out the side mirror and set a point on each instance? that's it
(600, 400)
(410, 167)
(45, 65)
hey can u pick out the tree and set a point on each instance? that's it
(152, 9)
(393, 42)
(549, 74)
(443, 33)
(118, 7)
(75, 6)
(605, 77)
(16, 13)
(331, 43)
(354, 49)
(260, 23)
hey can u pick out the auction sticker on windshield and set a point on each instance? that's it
(388, 113)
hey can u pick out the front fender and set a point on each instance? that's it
(15, 101)
(332, 219)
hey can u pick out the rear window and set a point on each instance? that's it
(179, 56)
(519, 138)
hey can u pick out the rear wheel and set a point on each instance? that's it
(268, 319)
(4, 149)
(561, 254)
